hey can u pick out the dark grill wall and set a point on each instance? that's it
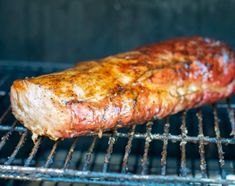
(75, 30)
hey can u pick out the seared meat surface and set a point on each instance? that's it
(124, 89)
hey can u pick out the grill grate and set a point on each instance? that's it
(162, 151)
(201, 145)
(128, 149)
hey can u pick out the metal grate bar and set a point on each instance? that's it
(8, 127)
(201, 144)
(3, 116)
(17, 148)
(33, 152)
(2, 93)
(70, 153)
(219, 144)
(174, 138)
(17, 161)
(51, 155)
(128, 149)
(32, 173)
(232, 122)
(221, 105)
(6, 136)
(183, 168)
(231, 116)
(107, 157)
(148, 139)
(164, 149)
(89, 155)
(4, 79)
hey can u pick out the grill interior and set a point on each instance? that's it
(190, 147)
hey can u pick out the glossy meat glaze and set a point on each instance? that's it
(129, 88)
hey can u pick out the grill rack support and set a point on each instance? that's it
(28, 170)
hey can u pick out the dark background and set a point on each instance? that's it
(75, 30)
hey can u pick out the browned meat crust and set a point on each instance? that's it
(133, 87)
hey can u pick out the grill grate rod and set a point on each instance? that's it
(148, 139)
(70, 153)
(231, 116)
(51, 155)
(69, 175)
(165, 144)
(201, 144)
(5, 114)
(232, 122)
(4, 79)
(8, 127)
(6, 136)
(33, 152)
(68, 158)
(128, 149)
(220, 105)
(107, 157)
(183, 168)
(89, 155)
(174, 138)
(219, 144)
(2, 93)
(17, 148)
